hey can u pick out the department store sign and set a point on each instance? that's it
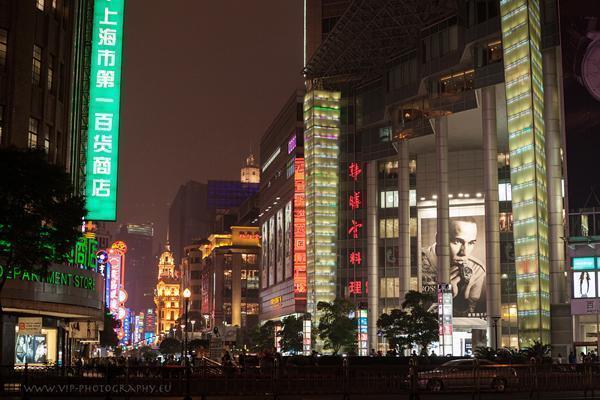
(585, 306)
(51, 277)
(105, 95)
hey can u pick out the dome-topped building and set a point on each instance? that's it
(167, 295)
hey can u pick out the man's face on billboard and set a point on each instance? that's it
(463, 237)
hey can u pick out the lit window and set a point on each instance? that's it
(3, 47)
(34, 125)
(51, 74)
(47, 139)
(40, 4)
(37, 64)
(504, 192)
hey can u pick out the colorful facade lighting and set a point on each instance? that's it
(321, 146)
(521, 32)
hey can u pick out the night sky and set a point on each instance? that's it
(202, 81)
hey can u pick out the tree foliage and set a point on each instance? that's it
(415, 323)
(169, 345)
(40, 215)
(291, 334)
(108, 337)
(336, 328)
(263, 336)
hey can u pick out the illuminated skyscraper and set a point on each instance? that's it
(321, 152)
(521, 41)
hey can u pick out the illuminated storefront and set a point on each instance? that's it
(321, 144)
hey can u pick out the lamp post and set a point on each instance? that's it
(186, 296)
(495, 326)
(182, 341)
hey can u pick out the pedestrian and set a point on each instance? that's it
(572, 358)
(559, 359)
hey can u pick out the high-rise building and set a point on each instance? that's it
(45, 52)
(194, 210)
(282, 214)
(449, 164)
(230, 281)
(140, 269)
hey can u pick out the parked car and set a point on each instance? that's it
(464, 374)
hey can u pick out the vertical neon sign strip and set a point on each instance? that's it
(321, 146)
(521, 29)
(299, 230)
(105, 95)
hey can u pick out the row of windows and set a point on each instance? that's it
(389, 198)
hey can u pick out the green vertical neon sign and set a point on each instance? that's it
(103, 126)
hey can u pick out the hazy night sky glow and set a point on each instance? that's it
(202, 80)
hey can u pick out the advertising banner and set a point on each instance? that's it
(272, 251)
(467, 256)
(264, 259)
(289, 243)
(280, 246)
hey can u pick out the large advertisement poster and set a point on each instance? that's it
(467, 257)
(264, 234)
(279, 275)
(580, 47)
(272, 251)
(31, 349)
(289, 244)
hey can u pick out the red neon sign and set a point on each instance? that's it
(299, 230)
(355, 201)
(355, 258)
(355, 287)
(353, 230)
(354, 170)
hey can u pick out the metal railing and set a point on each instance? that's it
(273, 379)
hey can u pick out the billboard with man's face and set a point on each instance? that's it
(467, 257)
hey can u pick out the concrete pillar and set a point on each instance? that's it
(236, 290)
(372, 253)
(492, 234)
(403, 218)
(442, 248)
(558, 293)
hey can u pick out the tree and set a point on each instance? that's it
(291, 334)
(415, 323)
(336, 328)
(108, 337)
(40, 216)
(169, 345)
(263, 336)
(537, 350)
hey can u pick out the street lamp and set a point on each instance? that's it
(186, 295)
(193, 321)
(495, 326)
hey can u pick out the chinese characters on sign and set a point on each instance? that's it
(354, 203)
(353, 230)
(103, 127)
(299, 230)
(354, 171)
